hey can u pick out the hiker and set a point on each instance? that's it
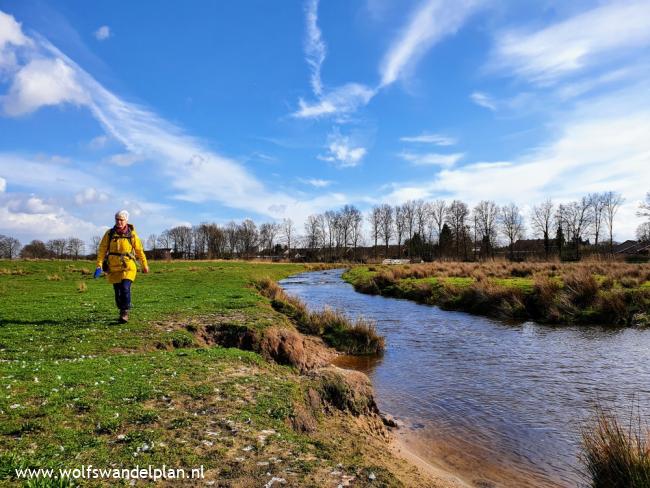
(119, 248)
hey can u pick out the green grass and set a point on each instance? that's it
(77, 388)
(39, 314)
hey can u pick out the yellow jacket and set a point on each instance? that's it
(122, 251)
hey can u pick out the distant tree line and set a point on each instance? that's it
(428, 230)
(70, 248)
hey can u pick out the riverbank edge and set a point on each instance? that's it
(391, 447)
(547, 303)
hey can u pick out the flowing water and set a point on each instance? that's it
(499, 404)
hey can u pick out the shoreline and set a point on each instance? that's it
(442, 476)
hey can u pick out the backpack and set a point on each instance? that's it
(111, 234)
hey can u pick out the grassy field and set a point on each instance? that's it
(607, 293)
(78, 389)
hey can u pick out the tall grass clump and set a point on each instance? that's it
(581, 287)
(336, 329)
(616, 455)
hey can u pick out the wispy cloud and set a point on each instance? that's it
(98, 142)
(3, 185)
(103, 33)
(125, 159)
(434, 20)
(315, 49)
(484, 100)
(431, 22)
(431, 159)
(343, 100)
(315, 182)
(437, 139)
(342, 151)
(593, 37)
(91, 195)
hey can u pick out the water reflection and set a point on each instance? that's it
(500, 402)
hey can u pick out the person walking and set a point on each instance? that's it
(121, 246)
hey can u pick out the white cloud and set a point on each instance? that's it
(3, 185)
(23, 218)
(30, 205)
(91, 195)
(343, 100)
(315, 182)
(434, 20)
(10, 33)
(98, 142)
(103, 33)
(437, 139)
(43, 82)
(431, 159)
(483, 100)
(592, 37)
(42, 175)
(315, 49)
(125, 159)
(342, 151)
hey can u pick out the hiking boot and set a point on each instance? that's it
(124, 316)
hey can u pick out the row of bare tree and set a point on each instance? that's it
(70, 248)
(415, 228)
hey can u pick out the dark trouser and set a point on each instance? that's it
(123, 294)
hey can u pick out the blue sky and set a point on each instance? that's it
(212, 111)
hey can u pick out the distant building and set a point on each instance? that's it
(630, 247)
(162, 253)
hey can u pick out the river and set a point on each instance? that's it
(498, 404)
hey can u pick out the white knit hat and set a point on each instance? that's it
(122, 214)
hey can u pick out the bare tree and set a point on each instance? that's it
(74, 247)
(248, 237)
(643, 232)
(331, 223)
(576, 219)
(152, 241)
(313, 232)
(409, 217)
(596, 214)
(216, 241)
(421, 212)
(288, 229)
(95, 241)
(182, 242)
(512, 225)
(164, 240)
(438, 215)
(232, 236)
(35, 250)
(357, 230)
(612, 201)
(541, 219)
(56, 247)
(644, 207)
(456, 215)
(400, 224)
(386, 220)
(374, 219)
(9, 247)
(200, 239)
(486, 215)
